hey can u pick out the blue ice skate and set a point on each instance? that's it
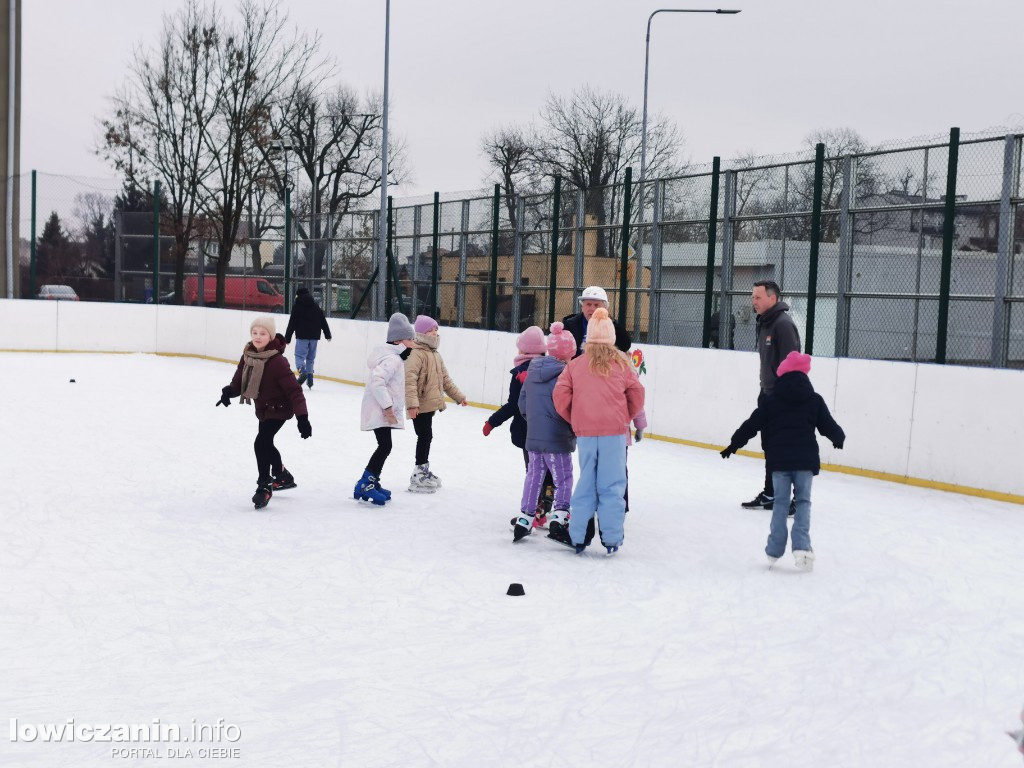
(367, 489)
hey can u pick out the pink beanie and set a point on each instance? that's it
(795, 361)
(425, 324)
(561, 343)
(531, 341)
(600, 329)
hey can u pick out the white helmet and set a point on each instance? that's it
(594, 293)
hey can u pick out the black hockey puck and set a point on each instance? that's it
(71, 381)
(515, 590)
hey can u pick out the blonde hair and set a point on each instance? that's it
(601, 356)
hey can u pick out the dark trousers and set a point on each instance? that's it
(769, 488)
(423, 424)
(268, 458)
(376, 464)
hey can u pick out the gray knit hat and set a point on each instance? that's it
(400, 328)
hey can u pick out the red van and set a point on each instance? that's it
(249, 292)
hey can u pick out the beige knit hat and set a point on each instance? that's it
(266, 322)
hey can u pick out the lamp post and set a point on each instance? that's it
(382, 225)
(647, 61)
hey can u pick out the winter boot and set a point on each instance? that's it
(283, 480)
(264, 490)
(558, 527)
(423, 480)
(761, 501)
(367, 490)
(302, 378)
(523, 526)
(804, 559)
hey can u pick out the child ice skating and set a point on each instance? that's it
(426, 383)
(264, 377)
(787, 419)
(306, 322)
(599, 395)
(549, 438)
(529, 345)
(383, 406)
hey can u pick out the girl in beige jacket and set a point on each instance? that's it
(426, 383)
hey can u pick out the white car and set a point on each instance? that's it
(58, 293)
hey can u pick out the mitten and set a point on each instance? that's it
(521, 377)
(727, 452)
(487, 428)
(305, 429)
(225, 397)
(838, 446)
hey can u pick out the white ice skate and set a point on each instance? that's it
(804, 559)
(423, 480)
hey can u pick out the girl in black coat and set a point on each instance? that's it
(788, 418)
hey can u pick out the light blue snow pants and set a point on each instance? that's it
(600, 489)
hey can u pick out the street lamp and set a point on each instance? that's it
(647, 59)
(382, 227)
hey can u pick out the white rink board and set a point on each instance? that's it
(946, 424)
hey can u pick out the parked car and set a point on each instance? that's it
(248, 292)
(57, 293)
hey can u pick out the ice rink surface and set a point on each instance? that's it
(139, 583)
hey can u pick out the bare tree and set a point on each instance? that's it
(255, 62)
(510, 154)
(161, 116)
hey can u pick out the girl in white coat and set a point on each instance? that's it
(384, 403)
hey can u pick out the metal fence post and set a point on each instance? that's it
(287, 249)
(581, 239)
(417, 223)
(118, 253)
(1005, 253)
(460, 289)
(492, 289)
(32, 249)
(627, 203)
(948, 230)
(812, 272)
(156, 242)
(328, 238)
(845, 260)
(654, 301)
(556, 219)
(517, 266)
(434, 310)
(389, 273)
(728, 237)
(709, 275)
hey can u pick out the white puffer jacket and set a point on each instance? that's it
(385, 387)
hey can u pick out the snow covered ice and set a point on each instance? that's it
(139, 583)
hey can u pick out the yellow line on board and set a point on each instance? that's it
(936, 485)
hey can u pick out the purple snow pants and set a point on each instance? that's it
(560, 467)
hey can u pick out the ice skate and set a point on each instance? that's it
(302, 379)
(522, 528)
(804, 559)
(367, 490)
(309, 381)
(264, 490)
(423, 480)
(771, 560)
(283, 480)
(558, 527)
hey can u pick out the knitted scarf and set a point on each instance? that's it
(522, 358)
(252, 373)
(430, 342)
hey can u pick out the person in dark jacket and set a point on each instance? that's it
(530, 345)
(264, 377)
(306, 322)
(787, 419)
(592, 298)
(777, 336)
(550, 440)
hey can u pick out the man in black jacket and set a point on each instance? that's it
(777, 336)
(306, 322)
(592, 298)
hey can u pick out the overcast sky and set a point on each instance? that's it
(759, 81)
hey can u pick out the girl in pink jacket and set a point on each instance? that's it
(599, 395)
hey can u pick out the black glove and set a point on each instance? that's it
(225, 397)
(305, 429)
(727, 452)
(838, 446)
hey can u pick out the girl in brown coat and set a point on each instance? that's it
(264, 376)
(426, 383)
